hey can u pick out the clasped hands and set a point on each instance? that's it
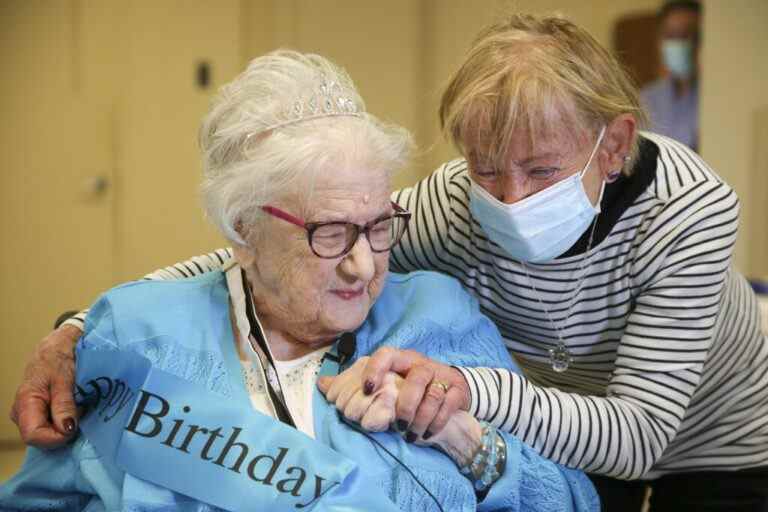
(372, 392)
(428, 405)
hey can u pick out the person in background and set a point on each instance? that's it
(672, 101)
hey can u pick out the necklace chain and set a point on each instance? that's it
(560, 357)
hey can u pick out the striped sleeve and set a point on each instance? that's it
(426, 243)
(194, 266)
(678, 275)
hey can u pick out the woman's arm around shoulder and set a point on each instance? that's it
(195, 266)
(43, 408)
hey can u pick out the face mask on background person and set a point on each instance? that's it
(678, 57)
(543, 225)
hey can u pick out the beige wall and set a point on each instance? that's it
(734, 116)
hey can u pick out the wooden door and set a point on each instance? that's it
(635, 42)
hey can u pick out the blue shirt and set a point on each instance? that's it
(673, 115)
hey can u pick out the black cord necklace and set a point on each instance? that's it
(275, 395)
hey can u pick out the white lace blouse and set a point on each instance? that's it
(296, 377)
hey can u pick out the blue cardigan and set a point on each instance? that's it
(183, 328)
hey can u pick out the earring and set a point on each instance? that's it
(613, 176)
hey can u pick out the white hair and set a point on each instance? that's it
(253, 153)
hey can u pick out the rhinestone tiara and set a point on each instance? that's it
(327, 100)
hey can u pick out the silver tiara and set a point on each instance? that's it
(327, 100)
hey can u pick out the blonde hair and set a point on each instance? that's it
(535, 75)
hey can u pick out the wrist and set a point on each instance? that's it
(460, 439)
(460, 382)
(70, 332)
(60, 344)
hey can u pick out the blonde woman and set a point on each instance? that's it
(602, 253)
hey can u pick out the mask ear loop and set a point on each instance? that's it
(594, 152)
(586, 167)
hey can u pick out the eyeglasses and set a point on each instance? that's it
(335, 239)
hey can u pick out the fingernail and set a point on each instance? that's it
(410, 437)
(368, 387)
(426, 435)
(402, 426)
(69, 425)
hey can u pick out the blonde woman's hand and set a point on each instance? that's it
(431, 394)
(44, 408)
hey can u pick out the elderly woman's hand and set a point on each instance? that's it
(460, 439)
(375, 412)
(431, 394)
(44, 409)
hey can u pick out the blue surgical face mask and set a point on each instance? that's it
(678, 57)
(541, 226)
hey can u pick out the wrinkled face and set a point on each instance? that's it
(314, 299)
(528, 170)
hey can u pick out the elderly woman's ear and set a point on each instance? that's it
(246, 234)
(243, 231)
(617, 144)
(244, 252)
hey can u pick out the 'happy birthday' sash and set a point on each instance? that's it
(181, 436)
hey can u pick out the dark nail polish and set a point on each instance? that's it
(368, 387)
(69, 425)
(426, 435)
(402, 426)
(410, 437)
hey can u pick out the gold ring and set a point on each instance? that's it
(442, 385)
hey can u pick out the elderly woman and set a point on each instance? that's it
(603, 255)
(203, 391)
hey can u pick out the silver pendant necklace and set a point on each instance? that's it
(560, 357)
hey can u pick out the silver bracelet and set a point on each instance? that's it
(488, 462)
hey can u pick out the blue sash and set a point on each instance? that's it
(181, 436)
